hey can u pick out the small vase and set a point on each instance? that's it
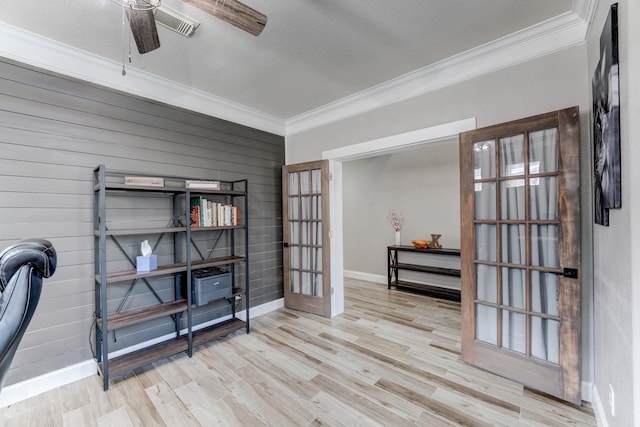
(398, 238)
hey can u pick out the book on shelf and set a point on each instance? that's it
(214, 214)
(147, 181)
(194, 212)
(227, 215)
(210, 213)
(235, 215)
(206, 210)
(205, 185)
(210, 220)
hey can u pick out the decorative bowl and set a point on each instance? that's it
(420, 244)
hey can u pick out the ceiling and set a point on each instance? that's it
(312, 53)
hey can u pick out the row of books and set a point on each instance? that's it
(209, 213)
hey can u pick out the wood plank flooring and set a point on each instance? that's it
(392, 359)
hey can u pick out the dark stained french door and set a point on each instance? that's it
(521, 252)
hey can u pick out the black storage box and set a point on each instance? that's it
(210, 284)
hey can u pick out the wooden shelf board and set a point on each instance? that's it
(138, 231)
(219, 192)
(222, 227)
(439, 251)
(231, 259)
(169, 190)
(216, 331)
(164, 270)
(128, 362)
(434, 291)
(427, 269)
(131, 317)
(160, 230)
(109, 186)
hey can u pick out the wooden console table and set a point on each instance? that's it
(394, 266)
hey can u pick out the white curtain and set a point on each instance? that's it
(305, 240)
(486, 238)
(544, 245)
(543, 193)
(512, 194)
(316, 232)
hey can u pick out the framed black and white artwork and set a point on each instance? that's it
(606, 123)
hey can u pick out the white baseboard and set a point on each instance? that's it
(378, 278)
(587, 391)
(265, 308)
(51, 380)
(359, 275)
(598, 408)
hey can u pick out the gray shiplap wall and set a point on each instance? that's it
(54, 131)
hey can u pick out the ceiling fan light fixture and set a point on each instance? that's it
(138, 4)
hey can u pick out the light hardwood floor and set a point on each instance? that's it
(391, 359)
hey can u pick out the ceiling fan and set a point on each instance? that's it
(145, 33)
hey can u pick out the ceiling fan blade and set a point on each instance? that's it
(235, 13)
(143, 27)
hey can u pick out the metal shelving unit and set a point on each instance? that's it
(107, 184)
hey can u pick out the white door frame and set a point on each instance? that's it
(375, 147)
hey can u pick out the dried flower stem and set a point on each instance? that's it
(395, 219)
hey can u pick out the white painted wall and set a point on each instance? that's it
(616, 248)
(423, 183)
(545, 84)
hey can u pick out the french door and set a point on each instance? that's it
(520, 277)
(307, 278)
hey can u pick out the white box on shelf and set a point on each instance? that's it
(204, 185)
(146, 181)
(146, 263)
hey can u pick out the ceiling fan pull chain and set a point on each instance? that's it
(124, 72)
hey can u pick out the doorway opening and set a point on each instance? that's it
(377, 147)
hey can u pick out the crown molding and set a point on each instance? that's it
(32, 49)
(561, 32)
(555, 34)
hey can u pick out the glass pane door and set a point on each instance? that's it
(305, 189)
(522, 221)
(305, 224)
(516, 299)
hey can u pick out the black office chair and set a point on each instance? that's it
(22, 267)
